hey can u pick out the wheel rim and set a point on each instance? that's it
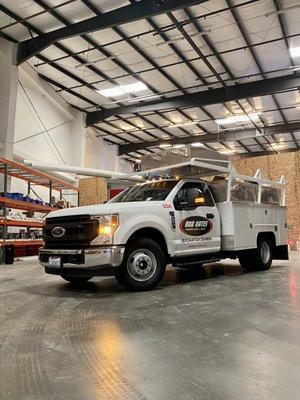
(141, 265)
(265, 252)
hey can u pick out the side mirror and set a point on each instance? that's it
(194, 198)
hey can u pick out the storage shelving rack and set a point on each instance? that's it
(33, 178)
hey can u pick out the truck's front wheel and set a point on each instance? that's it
(259, 259)
(143, 266)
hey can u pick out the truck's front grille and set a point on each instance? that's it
(76, 232)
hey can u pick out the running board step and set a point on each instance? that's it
(195, 262)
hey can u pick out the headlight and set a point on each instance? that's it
(108, 224)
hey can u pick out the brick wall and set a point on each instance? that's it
(273, 167)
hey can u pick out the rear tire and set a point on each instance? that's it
(76, 280)
(143, 266)
(259, 259)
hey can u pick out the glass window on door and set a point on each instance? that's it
(181, 196)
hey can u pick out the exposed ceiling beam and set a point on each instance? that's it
(286, 41)
(261, 153)
(203, 98)
(157, 67)
(104, 52)
(49, 10)
(130, 13)
(253, 53)
(210, 45)
(177, 62)
(233, 135)
(186, 61)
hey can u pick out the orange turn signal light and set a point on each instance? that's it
(199, 200)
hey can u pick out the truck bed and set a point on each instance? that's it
(241, 222)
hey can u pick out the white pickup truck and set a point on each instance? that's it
(197, 212)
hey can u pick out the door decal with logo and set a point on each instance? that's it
(195, 226)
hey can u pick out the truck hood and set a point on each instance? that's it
(98, 209)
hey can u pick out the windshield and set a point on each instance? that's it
(153, 191)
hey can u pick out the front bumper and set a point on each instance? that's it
(77, 261)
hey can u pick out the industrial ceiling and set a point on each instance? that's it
(149, 74)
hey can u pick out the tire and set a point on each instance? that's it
(259, 259)
(76, 280)
(143, 266)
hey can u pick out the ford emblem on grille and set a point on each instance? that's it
(58, 231)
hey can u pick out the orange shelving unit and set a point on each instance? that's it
(17, 204)
(33, 178)
(21, 223)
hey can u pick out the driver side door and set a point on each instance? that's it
(198, 226)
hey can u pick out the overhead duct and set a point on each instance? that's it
(82, 171)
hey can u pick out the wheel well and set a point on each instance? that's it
(269, 235)
(150, 233)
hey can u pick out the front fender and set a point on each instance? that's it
(132, 223)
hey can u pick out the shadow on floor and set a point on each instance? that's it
(108, 287)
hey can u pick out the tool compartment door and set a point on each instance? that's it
(244, 232)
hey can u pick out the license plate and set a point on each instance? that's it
(54, 262)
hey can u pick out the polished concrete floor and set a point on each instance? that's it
(213, 334)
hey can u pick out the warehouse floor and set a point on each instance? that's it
(218, 334)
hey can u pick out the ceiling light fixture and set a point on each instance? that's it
(163, 145)
(197, 144)
(295, 51)
(136, 99)
(183, 124)
(87, 63)
(227, 152)
(148, 97)
(234, 119)
(180, 38)
(279, 146)
(123, 89)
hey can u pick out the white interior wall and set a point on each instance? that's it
(43, 132)
(34, 116)
(99, 154)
